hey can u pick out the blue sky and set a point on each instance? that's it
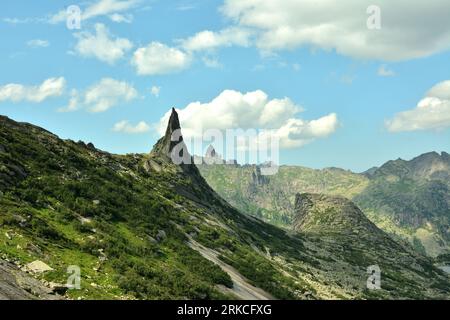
(353, 94)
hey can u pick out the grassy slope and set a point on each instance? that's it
(67, 204)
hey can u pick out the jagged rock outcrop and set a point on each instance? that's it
(172, 144)
(322, 213)
(211, 152)
(171, 154)
(212, 157)
(171, 149)
(258, 178)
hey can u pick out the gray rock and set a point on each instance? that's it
(38, 267)
(17, 285)
(161, 235)
(151, 239)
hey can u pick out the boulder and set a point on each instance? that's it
(38, 266)
(161, 235)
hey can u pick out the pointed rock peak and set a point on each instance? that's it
(210, 152)
(172, 138)
(174, 123)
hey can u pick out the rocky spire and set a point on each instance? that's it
(173, 124)
(172, 138)
(210, 152)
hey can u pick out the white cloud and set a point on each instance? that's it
(208, 40)
(107, 94)
(185, 7)
(101, 45)
(342, 26)
(157, 59)
(101, 96)
(38, 43)
(15, 21)
(97, 9)
(125, 127)
(119, 18)
(155, 90)
(384, 71)
(431, 113)
(252, 110)
(74, 102)
(14, 92)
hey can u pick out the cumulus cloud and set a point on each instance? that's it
(125, 127)
(38, 43)
(158, 58)
(101, 96)
(101, 45)
(342, 26)
(14, 92)
(431, 113)
(108, 93)
(252, 110)
(209, 40)
(109, 8)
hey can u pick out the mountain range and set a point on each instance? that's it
(138, 226)
(408, 199)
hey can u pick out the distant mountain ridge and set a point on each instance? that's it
(408, 199)
(431, 166)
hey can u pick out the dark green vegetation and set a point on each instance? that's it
(130, 222)
(408, 199)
